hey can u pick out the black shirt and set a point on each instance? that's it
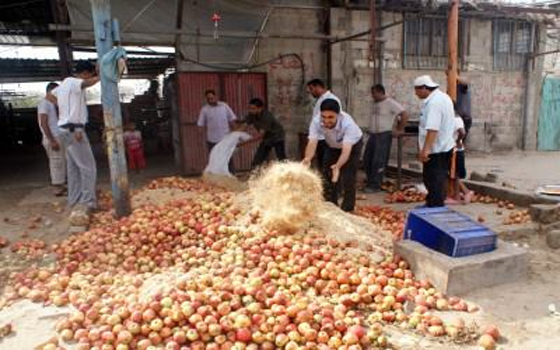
(273, 130)
(463, 100)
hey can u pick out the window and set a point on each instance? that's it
(512, 43)
(425, 43)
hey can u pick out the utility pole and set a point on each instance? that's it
(106, 33)
(373, 45)
(453, 38)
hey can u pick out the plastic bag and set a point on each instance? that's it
(223, 151)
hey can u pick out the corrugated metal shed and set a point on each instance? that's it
(28, 70)
(236, 89)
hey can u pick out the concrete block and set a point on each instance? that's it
(553, 239)
(549, 227)
(476, 176)
(545, 213)
(456, 276)
(492, 178)
(517, 197)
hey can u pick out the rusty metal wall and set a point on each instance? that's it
(236, 89)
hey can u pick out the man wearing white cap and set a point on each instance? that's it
(435, 138)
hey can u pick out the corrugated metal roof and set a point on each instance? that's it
(13, 39)
(148, 21)
(28, 70)
(25, 17)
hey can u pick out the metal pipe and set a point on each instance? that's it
(128, 52)
(372, 39)
(532, 56)
(530, 93)
(227, 34)
(138, 15)
(364, 33)
(261, 29)
(399, 161)
(453, 35)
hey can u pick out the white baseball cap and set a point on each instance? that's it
(425, 80)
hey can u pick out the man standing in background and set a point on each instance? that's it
(48, 123)
(463, 103)
(71, 99)
(388, 118)
(435, 138)
(217, 117)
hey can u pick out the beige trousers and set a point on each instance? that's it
(57, 162)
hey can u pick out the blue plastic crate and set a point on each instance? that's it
(448, 232)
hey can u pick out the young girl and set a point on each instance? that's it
(462, 193)
(134, 147)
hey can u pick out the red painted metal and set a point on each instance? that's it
(236, 89)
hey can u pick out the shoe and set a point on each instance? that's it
(59, 192)
(371, 190)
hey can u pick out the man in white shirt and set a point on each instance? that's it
(217, 117)
(435, 138)
(388, 118)
(343, 138)
(72, 107)
(48, 124)
(318, 89)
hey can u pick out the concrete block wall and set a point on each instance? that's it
(287, 97)
(497, 97)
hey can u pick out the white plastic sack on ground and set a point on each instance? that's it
(222, 152)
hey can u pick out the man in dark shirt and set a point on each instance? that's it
(271, 132)
(463, 103)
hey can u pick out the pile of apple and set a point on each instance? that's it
(518, 217)
(389, 219)
(30, 248)
(229, 286)
(406, 196)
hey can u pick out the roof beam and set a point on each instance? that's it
(223, 34)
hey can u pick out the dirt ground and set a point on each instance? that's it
(28, 209)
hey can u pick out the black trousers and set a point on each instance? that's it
(264, 150)
(435, 174)
(376, 157)
(347, 179)
(211, 145)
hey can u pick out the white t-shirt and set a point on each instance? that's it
(383, 115)
(459, 124)
(346, 131)
(222, 152)
(48, 108)
(72, 107)
(437, 114)
(132, 140)
(216, 119)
